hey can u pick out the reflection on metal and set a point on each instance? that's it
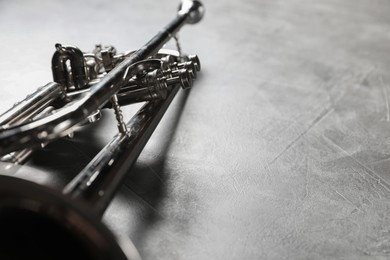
(84, 84)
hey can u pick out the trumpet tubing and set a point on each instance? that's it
(84, 84)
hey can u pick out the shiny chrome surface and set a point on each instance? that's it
(32, 105)
(282, 149)
(84, 84)
(194, 9)
(102, 177)
(66, 118)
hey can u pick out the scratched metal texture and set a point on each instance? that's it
(280, 151)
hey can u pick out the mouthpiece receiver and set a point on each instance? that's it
(193, 8)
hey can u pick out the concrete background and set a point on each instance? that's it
(280, 151)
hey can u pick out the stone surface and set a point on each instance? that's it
(282, 149)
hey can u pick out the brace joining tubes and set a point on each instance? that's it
(118, 115)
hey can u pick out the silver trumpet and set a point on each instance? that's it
(38, 222)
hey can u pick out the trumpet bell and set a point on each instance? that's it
(37, 222)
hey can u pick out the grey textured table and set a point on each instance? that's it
(282, 149)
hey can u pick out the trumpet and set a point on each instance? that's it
(43, 223)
